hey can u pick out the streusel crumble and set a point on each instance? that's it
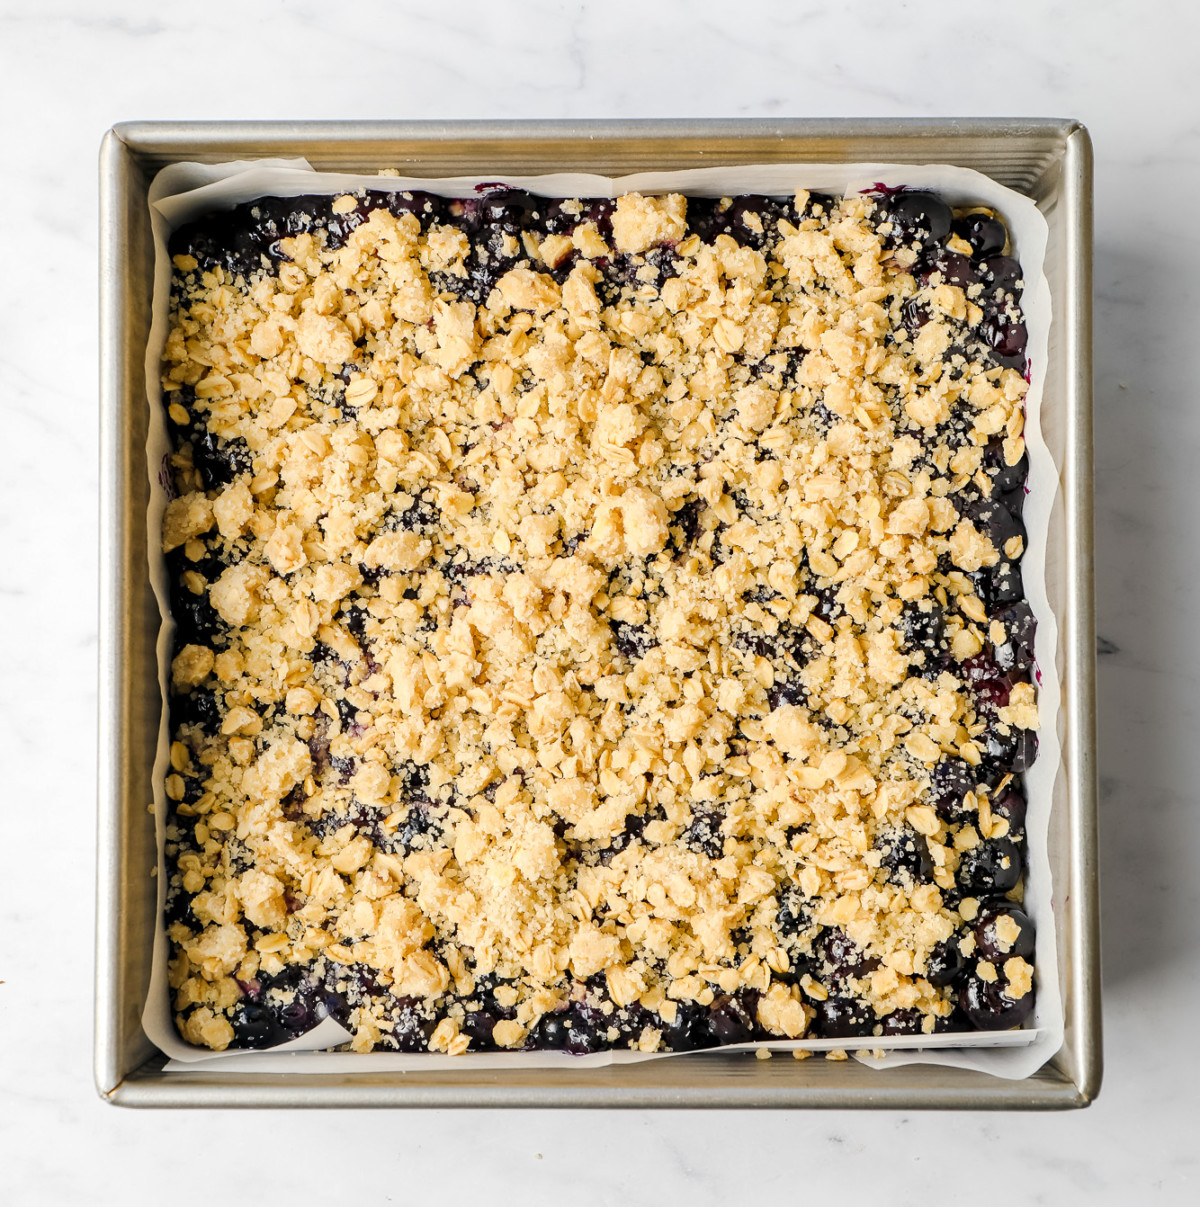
(598, 623)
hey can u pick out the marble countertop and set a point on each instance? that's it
(69, 69)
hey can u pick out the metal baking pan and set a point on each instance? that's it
(1047, 159)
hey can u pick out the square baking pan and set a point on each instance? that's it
(1046, 159)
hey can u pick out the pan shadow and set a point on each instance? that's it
(1142, 582)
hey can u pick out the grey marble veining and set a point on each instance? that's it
(70, 68)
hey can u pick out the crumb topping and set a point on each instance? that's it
(602, 640)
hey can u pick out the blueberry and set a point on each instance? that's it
(903, 1022)
(756, 641)
(1006, 585)
(464, 566)
(666, 264)
(414, 780)
(347, 713)
(504, 212)
(843, 1018)
(1025, 753)
(318, 749)
(355, 616)
(1010, 804)
(905, 857)
(985, 234)
(987, 943)
(922, 631)
(920, 215)
(552, 1031)
(748, 219)
(421, 827)
(586, 1037)
(429, 209)
(1005, 748)
(220, 461)
(586, 1023)
(599, 210)
(828, 608)
(690, 1030)
(1014, 655)
(198, 708)
(792, 915)
(1005, 478)
(731, 1019)
(703, 833)
(999, 746)
(321, 654)
(946, 964)
(953, 268)
(800, 965)
(1000, 274)
(339, 227)
(786, 691)
(179, 910)
(410, 1028)
(254, 1026)
(760, 594)
(990, 869)
(196, 620)
(914, 315)
(950, 781)
(990, 685)
(328, 1003)
(210, 565)
(994, 520)
(221, 239)
(361, 980)
(297, 1017)
(1007, 341)
(843, 957)
(464, 212)
(421, 515)
(988, 1006)
(555, 220)
(479, 1024)
(998, 584)
(186, 431)
(687, 521)
(702, 217)
(633, 641)
(818, 204)
(239, 239)
(635, 825)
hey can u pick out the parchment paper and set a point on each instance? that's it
(184, 191)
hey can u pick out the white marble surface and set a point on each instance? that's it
(70, 68)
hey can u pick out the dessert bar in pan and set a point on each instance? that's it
(598, 624)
